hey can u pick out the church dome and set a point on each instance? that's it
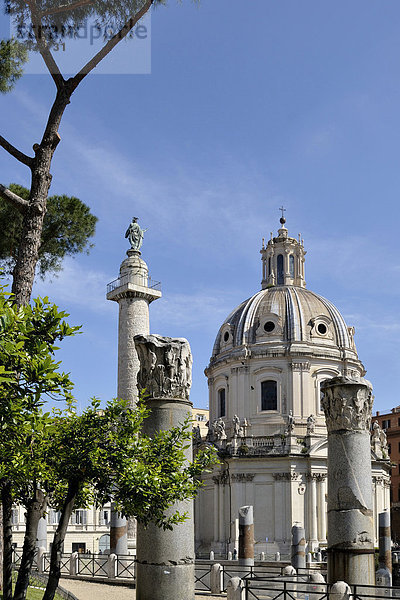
(284, 317)
(284, 314)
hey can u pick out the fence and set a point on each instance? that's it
(279, 589)
(258, 578)
(95, 565)
(101, 566)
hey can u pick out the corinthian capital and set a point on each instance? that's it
(165, 366)
(347, 403)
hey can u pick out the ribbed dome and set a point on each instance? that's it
(284, 314)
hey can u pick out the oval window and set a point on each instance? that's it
(322, 329)
(226, 336)
(269, 326)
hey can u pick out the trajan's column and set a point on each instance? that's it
(133, 290)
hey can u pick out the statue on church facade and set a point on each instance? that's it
(290, 423)
(219, 430)
(236, 426)
(135, 234)
(379, 441)
(310, 424)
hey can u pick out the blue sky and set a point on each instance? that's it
(248, 106)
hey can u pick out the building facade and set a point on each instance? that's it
(88, 530)
(268, 362)
(390, 424)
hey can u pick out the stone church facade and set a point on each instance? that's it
(268, 362)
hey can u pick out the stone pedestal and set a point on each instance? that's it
(246, 536)
(165, 559)
(347, 404)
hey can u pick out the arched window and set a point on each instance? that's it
(221, 403)
(291, 266)
(269, 266)
(269, 395)
(104, 543)
(280, 274)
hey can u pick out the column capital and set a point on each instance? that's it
(165, 366)
(347, 403)
(286, 476)
(315, 476)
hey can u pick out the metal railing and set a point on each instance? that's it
(75, 564)
(94, 565)
(133, 277)
(202, 578)
(277, 589)
(65, 563)
(125, 567)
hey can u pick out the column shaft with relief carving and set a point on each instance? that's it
(347, 404)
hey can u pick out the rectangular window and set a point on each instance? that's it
(79, 517)
(104, 517)
(79, 547)
(14, 516)
(389, 448)
(53, 517)
(386, 424)
(269, 397)
(221, 403)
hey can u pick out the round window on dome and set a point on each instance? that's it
(269, 326)
(226, 336)
(321, 328)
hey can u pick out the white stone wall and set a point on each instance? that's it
(283, 491)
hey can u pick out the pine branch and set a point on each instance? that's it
(66, 7)
(14, 199)
(120, 35)
(23, 158)
(44, 50)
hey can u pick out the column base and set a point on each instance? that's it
(164, 582)
(354, 566)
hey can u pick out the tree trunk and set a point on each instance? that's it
(58, 542)
(28, 249)
(1, 543)
(35, 511)
(6, 499)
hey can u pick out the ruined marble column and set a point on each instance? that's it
(246, 536)
(347, 404)
(385, 549)
(298, 555)
(41, 540)
(118, 533)
(165, 559)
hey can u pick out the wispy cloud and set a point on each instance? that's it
(76, 286)
(201, 309)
